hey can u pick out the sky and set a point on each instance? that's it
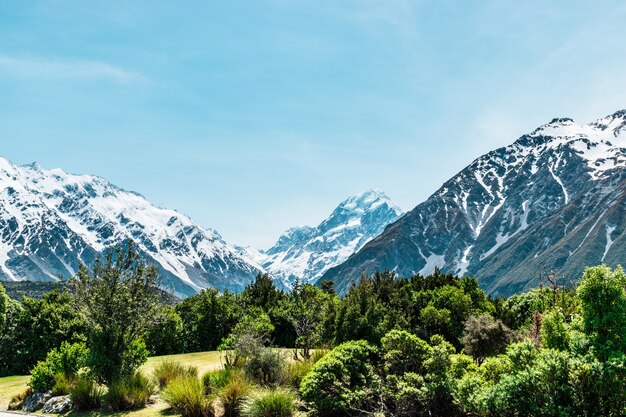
(256, 116)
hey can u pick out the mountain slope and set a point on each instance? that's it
(307, 252)
(51, 220)
(551, 200)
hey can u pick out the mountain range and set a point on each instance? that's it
(553, 201)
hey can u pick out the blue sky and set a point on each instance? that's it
(255, 116)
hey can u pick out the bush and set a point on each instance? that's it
(275, 403)
(130, 393)
(343, 380)
(233, 394)
(404, 352)
(68, 359)
(86, 394)
(169, 370)
(215, 380)
(296, 371)
(185, 396)
(485, 336)
(266, 367)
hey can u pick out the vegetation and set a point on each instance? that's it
(424, 346)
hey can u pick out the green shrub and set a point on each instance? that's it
(130, 393)
(296, 371)
(86, 394)
(185, 396)
(168, 370)
(217, 379)
(68, 359)
(233, 394)
(266, 367)
(404, 352)
(344, 380)
(274, 403)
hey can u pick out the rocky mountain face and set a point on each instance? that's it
(307, 252)
(552, 201)
(50, 221)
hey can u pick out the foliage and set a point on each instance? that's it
(603, 301)
(233, 394)
(274, 403)
(554, 331)
(118, 301)
(485, 336)
(207, 318)
(266, 367)
(185, 396)
(248, 338)
(86, 394)
(164, 335)
(344, 380)
(130, 393)
(4, 300)
(67, 360)
(305, 308)
(168, 370)
(18, 400)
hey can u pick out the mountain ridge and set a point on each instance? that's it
(493, 202)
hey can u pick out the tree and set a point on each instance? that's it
(248, 338)
(3, 308)
(118, 301)
(306, 308)
(603, 301)
(207, 317)
(485, 336)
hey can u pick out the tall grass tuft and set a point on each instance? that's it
(169, 370)
(218, 379)
(296, 371)
(274, 403)
(130, 393)
(233, 394)
(186, 396)
(18, 400)
(86, 394)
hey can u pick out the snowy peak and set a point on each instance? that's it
(307, 252)
(490, 220)
(54, 220)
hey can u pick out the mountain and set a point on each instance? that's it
(50, 221)
(555, 200)
(307, 252)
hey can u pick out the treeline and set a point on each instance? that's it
(432, 345)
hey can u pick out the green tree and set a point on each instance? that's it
(603, 300)
(4, 300)
(306, 308)
(118, 301)
(208, 317)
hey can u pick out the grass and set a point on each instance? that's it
(204, 361)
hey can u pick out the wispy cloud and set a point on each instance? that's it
(30, 67)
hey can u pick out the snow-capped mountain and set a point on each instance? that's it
(553, 200)
(307, 252)
(51, 220)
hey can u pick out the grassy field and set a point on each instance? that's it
(204, 361)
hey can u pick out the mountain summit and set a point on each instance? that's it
(553, 200)
(50, 221)
(307, 252)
